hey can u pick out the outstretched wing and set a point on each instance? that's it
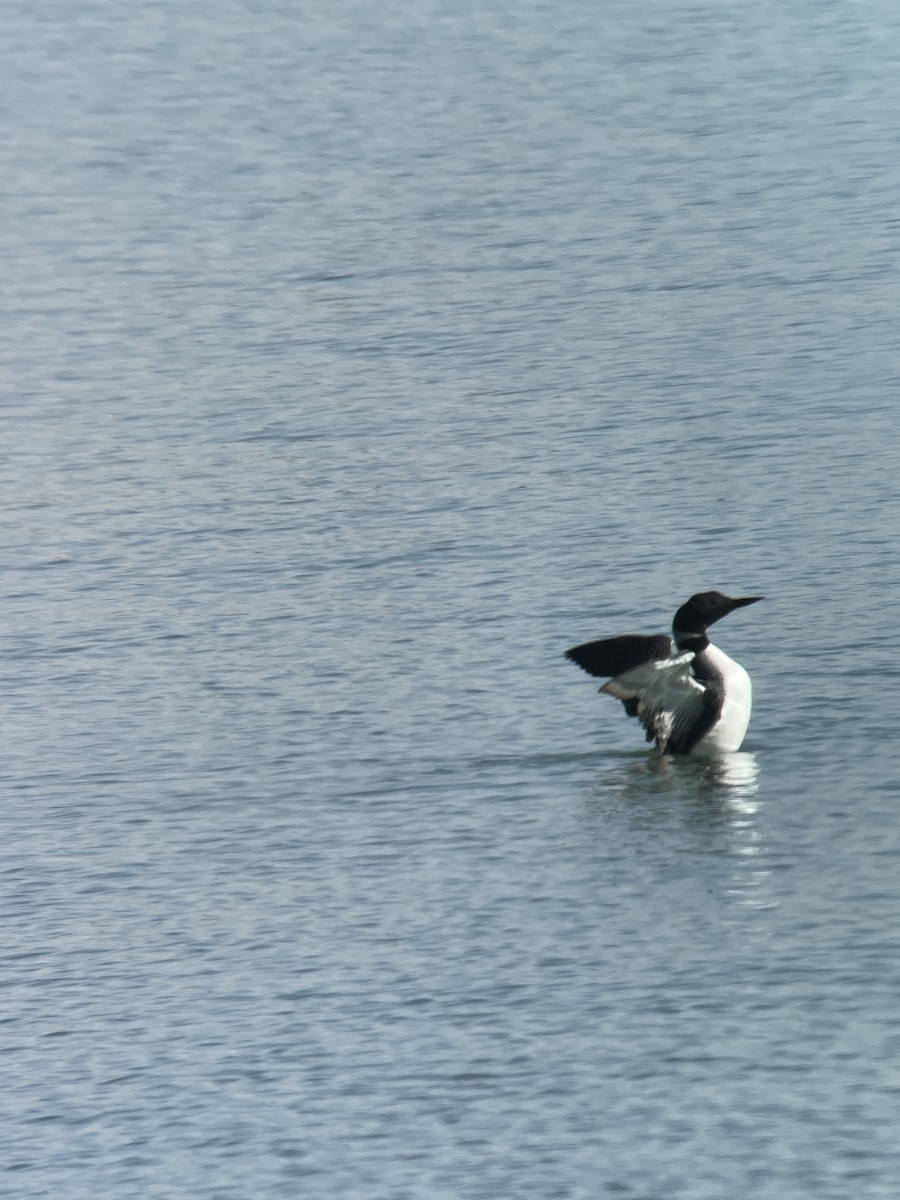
(611, 656)
(670, 704)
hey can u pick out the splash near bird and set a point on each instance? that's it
(695, 701)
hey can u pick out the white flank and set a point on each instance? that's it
(727, 734)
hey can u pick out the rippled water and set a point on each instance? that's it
(355, 363)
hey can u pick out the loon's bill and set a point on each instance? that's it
(695, 701)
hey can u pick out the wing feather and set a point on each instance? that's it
(611, 656)
(664, 696)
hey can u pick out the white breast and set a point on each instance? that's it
(727, 734)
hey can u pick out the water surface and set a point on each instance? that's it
(354, 365)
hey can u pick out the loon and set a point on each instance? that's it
(695, 701)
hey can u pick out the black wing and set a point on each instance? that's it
(611, 656)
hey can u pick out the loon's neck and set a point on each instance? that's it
(694, 640)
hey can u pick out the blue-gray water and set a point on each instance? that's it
(357, 359)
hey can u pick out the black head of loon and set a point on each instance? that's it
(697, 614)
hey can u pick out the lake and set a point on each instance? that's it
(356, 362)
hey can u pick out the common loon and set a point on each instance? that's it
(696, 701)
